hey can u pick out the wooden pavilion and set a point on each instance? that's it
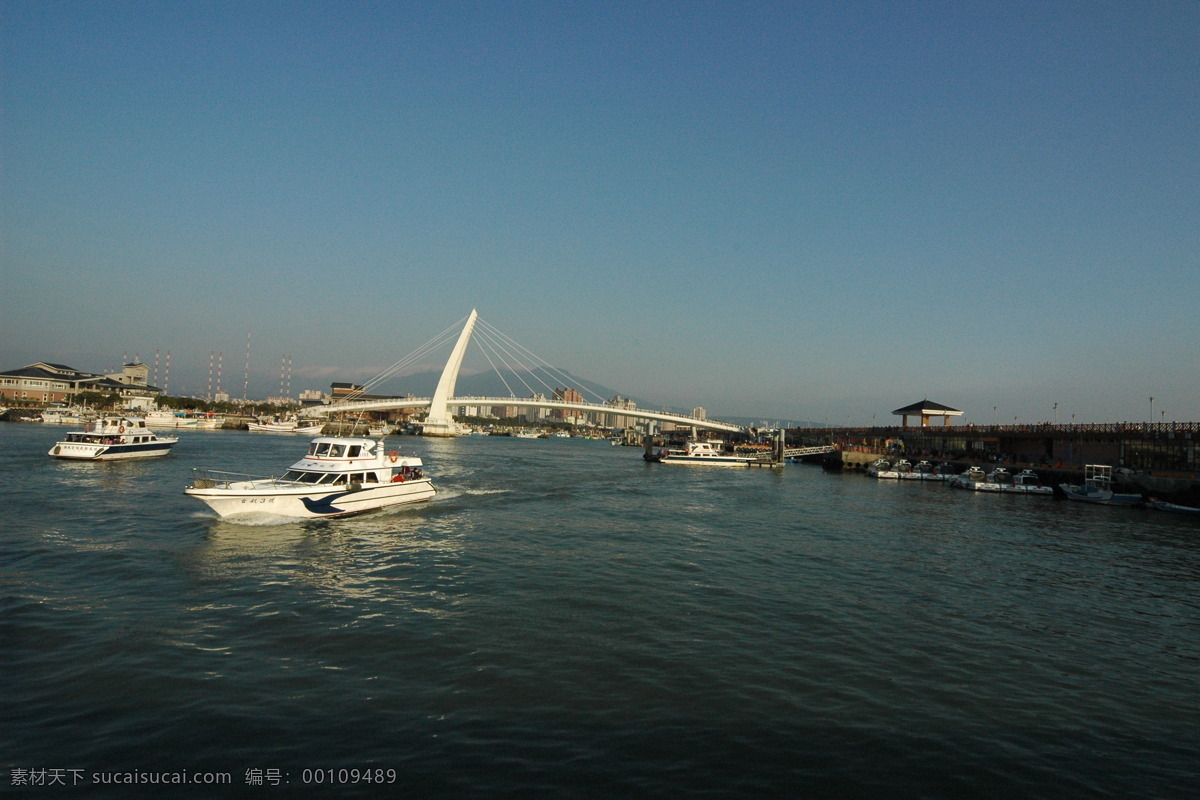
(926, 409)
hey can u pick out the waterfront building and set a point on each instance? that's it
(535, 415)
(44, 383)
(620, 420)
(566, 395)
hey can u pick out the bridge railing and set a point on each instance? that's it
(582, 405)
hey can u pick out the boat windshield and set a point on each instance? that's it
(302, 477)
(318, 448)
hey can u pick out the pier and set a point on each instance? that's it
(1162, 458)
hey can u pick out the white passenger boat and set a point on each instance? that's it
(708, 454)
(337, 477)
(1097, 488)
(113, 438)
(293, 425)
(1000, 480)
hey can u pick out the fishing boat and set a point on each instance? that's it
(166, 418)
(337, 477)
(113, 438)
(59, 414)
(291, 425)
(710, 453)
(1097, 488)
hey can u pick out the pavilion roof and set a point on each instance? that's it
(929, 408)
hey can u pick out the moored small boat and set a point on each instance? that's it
(113, 438)
(1001, 481)
(1174, 508)
(1097, 488)
(925, 471)
(878, 466)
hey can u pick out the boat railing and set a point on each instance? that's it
(219, 479)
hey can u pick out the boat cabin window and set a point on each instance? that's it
(336, 451)
(318, 448)
(353, 451)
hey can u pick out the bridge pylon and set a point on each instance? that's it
(439, 421)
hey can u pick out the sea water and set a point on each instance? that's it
(566, 620)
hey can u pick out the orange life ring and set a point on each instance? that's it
(121, 429)
(395, 454)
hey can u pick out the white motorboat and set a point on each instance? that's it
(709, 454)
(892, 472)
(1097, 488)
(112, 439)
(292, 425)
(1001, 480)
(337, 477)
(925, 471)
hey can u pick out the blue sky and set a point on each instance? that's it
(818, 211)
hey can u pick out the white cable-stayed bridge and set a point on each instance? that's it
(501, 353)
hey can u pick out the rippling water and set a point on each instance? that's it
(565, 620)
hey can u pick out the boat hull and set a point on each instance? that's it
(257, 498)
(266, 427)
(1099, 497)
(706, 461)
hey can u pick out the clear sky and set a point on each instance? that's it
(795, 210)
